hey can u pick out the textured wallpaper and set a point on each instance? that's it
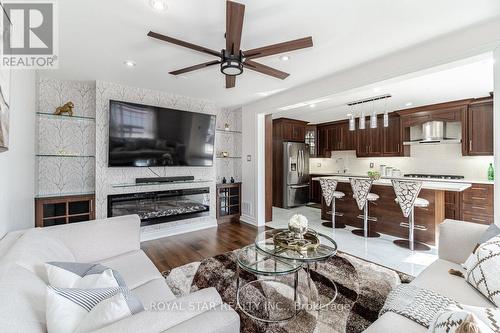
(84, 142)
(74, 137)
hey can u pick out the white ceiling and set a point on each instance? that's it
(96, 36)
(469, 78)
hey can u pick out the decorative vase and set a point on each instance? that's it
(298, 225)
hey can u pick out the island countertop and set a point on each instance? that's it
(435, 184)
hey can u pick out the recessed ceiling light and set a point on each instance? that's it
(159, 5)
(377, 89)
(129, 63)
(409, 104)
(284, 58)
(312, 105)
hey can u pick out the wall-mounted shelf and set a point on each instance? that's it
(58, 195)
(228, 157)
(227, 131)
(64, 117)
(73, 156)
(162, 183)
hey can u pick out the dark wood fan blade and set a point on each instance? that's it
(183, 43)
(255, 66)
(230, 81)
(195, 67)
(292, 45)
(235, 13)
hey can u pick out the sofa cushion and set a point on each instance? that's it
(135, 268)
(25, 309)
(483, 269)
(84, 310)
(392, 322)
(81, 275)
(153, 292)
(34, 248)
(436, 278)
(463, 318)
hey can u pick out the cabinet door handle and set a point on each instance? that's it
(478, 198)
(478, 220)
(470, 145)
(476, 207)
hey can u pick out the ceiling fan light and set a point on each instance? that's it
(231, 67)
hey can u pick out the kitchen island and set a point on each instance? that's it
(387, 211)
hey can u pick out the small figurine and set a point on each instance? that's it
(224, 180)
(66, 108)
(226, 127)
(232, 180)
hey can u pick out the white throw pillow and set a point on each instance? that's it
(483, 269)
(83, 276)
(466, 319)
(84, 310)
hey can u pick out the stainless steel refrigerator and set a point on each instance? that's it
(295, 174)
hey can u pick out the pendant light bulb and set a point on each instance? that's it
(352, 122)
(362, 119)
(373, 117)
(386, 115)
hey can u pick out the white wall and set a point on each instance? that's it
(442, 50)
(433, 159)
(496, 123)
(17, 165)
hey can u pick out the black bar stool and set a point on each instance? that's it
(328, 187)
(407, 192)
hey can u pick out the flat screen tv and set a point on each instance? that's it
(148, 136)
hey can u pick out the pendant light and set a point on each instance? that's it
(386, 114)
(362, 119)
(373, 117)
(352, 121)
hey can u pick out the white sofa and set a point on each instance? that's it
(457, 239)
(115, 243)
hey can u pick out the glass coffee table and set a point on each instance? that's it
(267, 299)
(326, 249)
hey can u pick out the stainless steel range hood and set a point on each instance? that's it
(433, 132)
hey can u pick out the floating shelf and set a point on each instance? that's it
(66, 194)
(228, 157)
(162, 183)
(73, 156)
(230, 131)
(65, 117)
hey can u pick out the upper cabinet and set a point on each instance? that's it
(334, 137)
(480, 128)
(380, 141)
(392, 142)
(311, 139)
(289, 129)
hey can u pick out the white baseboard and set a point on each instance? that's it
(248, 220)
(177, 229)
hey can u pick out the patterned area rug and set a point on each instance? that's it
(362, 290)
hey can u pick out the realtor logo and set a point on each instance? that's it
(29, 35)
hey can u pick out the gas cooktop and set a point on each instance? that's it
(420, 175)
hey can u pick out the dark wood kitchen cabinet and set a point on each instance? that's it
(477, 204)
(392, 140)
(314, 190)
(480, 127)
(369, 141)
(284, 129)
(334, 137)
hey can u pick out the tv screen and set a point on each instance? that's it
(148, 136)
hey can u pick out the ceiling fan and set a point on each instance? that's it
(232, 59)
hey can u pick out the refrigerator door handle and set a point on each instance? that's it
(299, 164)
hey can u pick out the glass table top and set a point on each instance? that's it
(261, 263)
(327, 248)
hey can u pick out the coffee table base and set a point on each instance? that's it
(312, 305)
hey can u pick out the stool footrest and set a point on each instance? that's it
(418, 227)
(336, 214)
(370, 218)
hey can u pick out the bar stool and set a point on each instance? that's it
(361, 192)
(407, 196)
(328, 187)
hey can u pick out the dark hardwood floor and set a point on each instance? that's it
(170, 252)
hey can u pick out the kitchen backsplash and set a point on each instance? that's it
(433, 159)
